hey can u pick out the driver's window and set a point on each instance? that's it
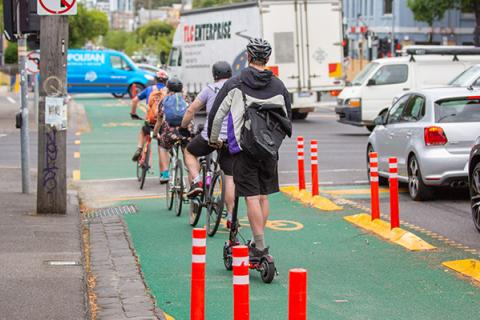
(395, 113)
(415, 109)
(391, 74)
(118, 63)
(476, 83)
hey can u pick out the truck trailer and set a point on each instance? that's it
(306, 37)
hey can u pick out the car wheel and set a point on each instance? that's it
(381, 180)
(118, 95)
(475, 195)
(296, 115)
(418, 190)
(139, 88)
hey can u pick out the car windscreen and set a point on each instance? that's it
(364, 74)
(465, 109)
(464, 79)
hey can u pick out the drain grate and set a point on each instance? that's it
(111, 211)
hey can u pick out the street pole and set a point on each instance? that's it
(24, 134)
(392, 48)
(52, 151)
(35, 95)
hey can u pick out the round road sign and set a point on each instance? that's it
(33, 62)
(62, 7)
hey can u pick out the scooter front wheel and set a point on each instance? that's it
(227, 257)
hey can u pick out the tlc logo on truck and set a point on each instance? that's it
(207, 31)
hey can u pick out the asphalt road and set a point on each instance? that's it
(342, 161)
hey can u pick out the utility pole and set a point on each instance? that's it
(52, 146)
(392, 45)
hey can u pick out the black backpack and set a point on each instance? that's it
(264, 128)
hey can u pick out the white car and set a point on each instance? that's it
(431, 132)
(468, 78)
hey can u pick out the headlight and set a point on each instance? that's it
(355, 102)
(149, 77)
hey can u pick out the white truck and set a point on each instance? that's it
(306, 37)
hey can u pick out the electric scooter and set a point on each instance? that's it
(265, 265)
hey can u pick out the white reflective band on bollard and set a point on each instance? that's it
(241, 280)
(393, 165)
(375, 160)
(374, 169)
(393, 175)
(374, 179)
(198, 258)
(239, 261)
(199, 242)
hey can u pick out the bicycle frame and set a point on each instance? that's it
(146, 145)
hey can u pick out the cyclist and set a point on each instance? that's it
(155, 92)
(199, 146)
(254, 178)
(171, 110)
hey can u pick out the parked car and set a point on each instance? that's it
(474, 182)
(105, 71)
(431, 132)
(468, 78)
(372, 90)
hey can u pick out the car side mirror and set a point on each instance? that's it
(379, 121)
(371, 82)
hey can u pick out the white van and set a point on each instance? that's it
(306, 37)
(372, 90)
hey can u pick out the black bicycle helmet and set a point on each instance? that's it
(221, 70)
(259, 50)
(174, 85)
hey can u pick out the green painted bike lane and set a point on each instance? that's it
(352, 275)
(106, 150)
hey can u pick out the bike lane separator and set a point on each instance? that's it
(468, 267)
(304, 196)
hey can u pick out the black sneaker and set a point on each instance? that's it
(195, 190)
(137, 154)
(255, 255)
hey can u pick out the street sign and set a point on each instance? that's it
(33, 62)
(56, 7)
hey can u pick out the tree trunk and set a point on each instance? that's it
(476, 32)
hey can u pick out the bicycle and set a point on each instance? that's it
(145, 159)
(213, 196)
(175, 186)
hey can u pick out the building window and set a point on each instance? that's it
(371, 7)
(387, 6)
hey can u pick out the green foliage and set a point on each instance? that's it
(156, 29)
(212, 3)
(122, 41)
(86, 25)
(11, 53)
(429, 11)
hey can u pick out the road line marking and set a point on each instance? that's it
(11, 100)
(131, 198)
(76, 154)
(76, 175)
(77, 142)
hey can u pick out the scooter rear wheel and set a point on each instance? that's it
(267, 271)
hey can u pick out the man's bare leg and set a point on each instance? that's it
(163, 159)
(229, 196)
(256, 219)
(192, 165)
(265, 208)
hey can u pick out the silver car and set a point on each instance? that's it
(431, 132)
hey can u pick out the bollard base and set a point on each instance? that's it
(468, 267)
(306, 197)
(399, 236)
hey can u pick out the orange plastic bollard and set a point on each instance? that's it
(241, 283)
(314, 166)
(393, 181)
(197, 291)
(297, 294)
(374, 193)
(301, 163)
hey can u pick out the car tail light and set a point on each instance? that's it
(334, 93)
(435, 136)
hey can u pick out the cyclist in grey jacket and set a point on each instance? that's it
(254, 179)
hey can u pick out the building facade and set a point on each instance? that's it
(380, 17)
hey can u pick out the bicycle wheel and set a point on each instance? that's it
(145, 167)
(217, 201)
(178, 187)
(139, 171)
(169, 186)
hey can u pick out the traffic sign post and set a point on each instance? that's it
(56, 7)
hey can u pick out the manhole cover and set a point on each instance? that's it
(111, 211)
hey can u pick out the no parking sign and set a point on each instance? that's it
(56, 7)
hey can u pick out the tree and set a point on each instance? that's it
(122, 41)
(429, 11)
(86, 25)
(11, 53)
(154, 29)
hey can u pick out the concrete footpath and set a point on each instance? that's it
(32, 288)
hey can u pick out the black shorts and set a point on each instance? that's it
(199, 148)
(254, 177)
